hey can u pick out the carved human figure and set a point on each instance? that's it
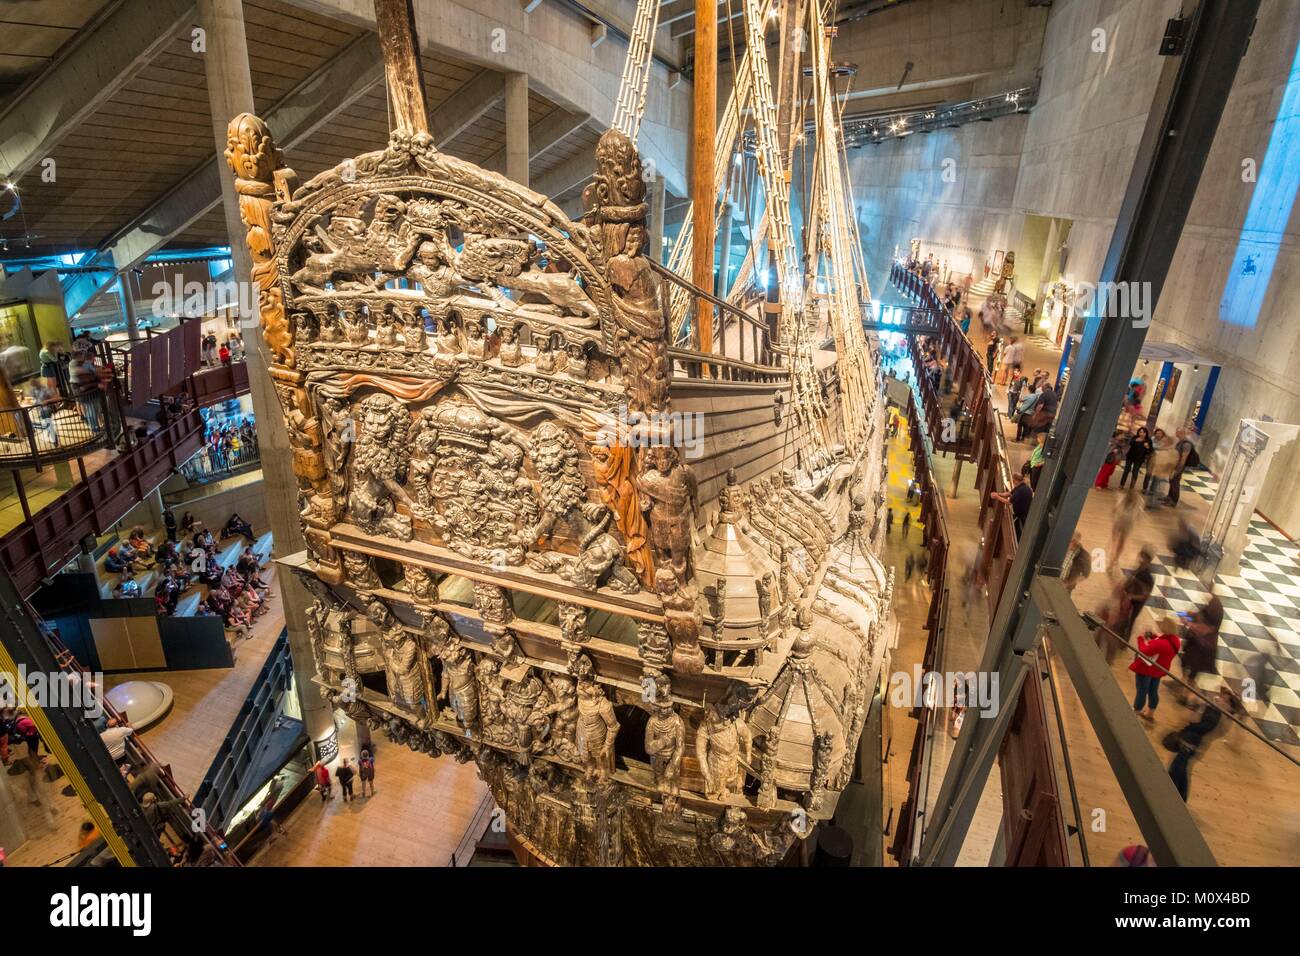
(545, 360)
(404, 668)
(412, 322)
(491, 696)
(563, 714)
(573, 621)
(681, 621)
(665, 743)
(460, 687)
(576, 360)
(510, 353)
(386, 328)
(524, 709)
(597, 729)
(640, 316)
(668, 495)
(722, 747)
(475, 340)
(379, 464)
(360, 570)
(448, 338)
(356, 324)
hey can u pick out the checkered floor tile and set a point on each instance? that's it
(1262, 615)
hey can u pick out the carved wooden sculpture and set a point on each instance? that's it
(458, 364)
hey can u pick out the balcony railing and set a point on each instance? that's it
(56, 430)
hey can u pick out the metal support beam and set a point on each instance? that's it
(1161, 814)
(341, 80)
(72, 739)
(1189, 101)
(98, 63)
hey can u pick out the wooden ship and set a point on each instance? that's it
(653, 657)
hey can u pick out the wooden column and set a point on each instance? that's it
(405, 81)
(705, 129)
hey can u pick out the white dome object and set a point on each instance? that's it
(142, 702)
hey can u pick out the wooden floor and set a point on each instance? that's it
(967, 630)
(421, 810)
(1242, 793)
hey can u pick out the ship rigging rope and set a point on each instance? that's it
(636, 70)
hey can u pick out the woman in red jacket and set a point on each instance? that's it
(1161, 648)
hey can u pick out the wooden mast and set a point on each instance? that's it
(402, 74)
(702, 180)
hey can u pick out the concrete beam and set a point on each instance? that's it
(685, 28)
(341, 80)
(572, 172)
(467, 106)
(98, 63)
(549, 132)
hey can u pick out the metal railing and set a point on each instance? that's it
(211, 462)
(188, 821)
(55, 430)
(227, 777)
(740, 345)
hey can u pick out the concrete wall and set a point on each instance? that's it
(1072, 159)
(900, 191)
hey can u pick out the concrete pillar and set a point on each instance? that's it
(230, 92)
(128, 307)
(1047, 273)
(517, 127)
(724, 253)
(658, 202)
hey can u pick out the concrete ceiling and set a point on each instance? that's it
(120, 162)
(32, 32)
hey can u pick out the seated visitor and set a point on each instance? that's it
(140, 544)
(237, 526)
(118, 560)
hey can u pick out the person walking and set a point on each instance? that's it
(907, 520)
(324, 786)
(345, 774)
(366, 766)
(909, 566)
(169, 522)
(1191, 742)
(1201, 642)
(1126, 512)
(1187, 458)
(1161, 650)
(1077, 564)
(1135, 456)
(1158, 461)
(889, 522)
(1114, 455)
